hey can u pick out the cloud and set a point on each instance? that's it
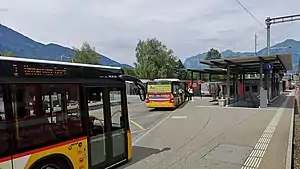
(114, 27)
(3, 9)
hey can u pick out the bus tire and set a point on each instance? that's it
(53, 163)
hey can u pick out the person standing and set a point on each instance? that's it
(191, 92)
(188, 93)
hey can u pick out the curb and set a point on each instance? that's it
(289, 154)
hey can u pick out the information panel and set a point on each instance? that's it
(159, 88)
(46, 70)
(23, 69)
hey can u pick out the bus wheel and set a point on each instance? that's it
(52, 163)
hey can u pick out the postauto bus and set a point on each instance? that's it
(58, 115)
(165, 93)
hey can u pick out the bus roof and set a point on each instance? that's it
(23, 67)
(17, 59)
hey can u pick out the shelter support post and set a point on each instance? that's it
(267, 80)
(200, 90)
(240, 83)
(273, 85)
(228, 85)
(192, 76)
(244, 87)
(277, 83)
(235, 83)
(209, 77)
(262, 92)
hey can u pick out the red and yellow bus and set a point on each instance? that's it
(165, 93)
(57, 115)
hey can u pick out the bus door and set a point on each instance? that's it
(119, 125)
(107, 144)
(5, 133)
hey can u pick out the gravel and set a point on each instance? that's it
(296, 139)
(296, 147)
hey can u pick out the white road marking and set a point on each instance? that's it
(137, 131)
(250, 108)
(154, 127)
(256, 155)
(148, 115)
(178, 117)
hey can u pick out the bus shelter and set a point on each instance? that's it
(207, 71)
(269, 67)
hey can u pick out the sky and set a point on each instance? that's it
(114, 27)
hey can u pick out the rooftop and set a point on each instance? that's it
(281, 62)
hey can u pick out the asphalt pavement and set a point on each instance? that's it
(142, 119)
(210, 137)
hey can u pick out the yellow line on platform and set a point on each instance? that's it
(137, 131)
(136, 124)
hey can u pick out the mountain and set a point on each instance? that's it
(23, 46)
(287, 46)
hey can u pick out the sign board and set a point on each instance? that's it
(159, 88)
(268, 66)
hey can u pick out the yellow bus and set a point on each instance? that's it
(58, 115)
(165, 93)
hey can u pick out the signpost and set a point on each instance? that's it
(268, 66)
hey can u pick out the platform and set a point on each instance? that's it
(217, 138)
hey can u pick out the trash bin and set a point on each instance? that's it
(222, 102)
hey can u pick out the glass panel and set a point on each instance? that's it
(98, 152)
(118, 127)
(48, 111)
(4, 133)
(96, 125)
(116, 109)
(118, 138)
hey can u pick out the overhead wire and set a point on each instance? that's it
(261, 24)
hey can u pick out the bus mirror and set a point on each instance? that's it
(141, 91)
(138, 83)
(142, 94)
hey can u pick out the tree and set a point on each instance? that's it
(86, 54)
(180, 71)
(213, 54)
(154, 60)
(129, 71)
(7, 53)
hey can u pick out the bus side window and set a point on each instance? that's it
(62, 109)
(31, 121)
(42, 110)
(96, 112)
(4, 133)
(116, 109)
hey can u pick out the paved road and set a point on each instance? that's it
(216, 138)
(141, 118)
